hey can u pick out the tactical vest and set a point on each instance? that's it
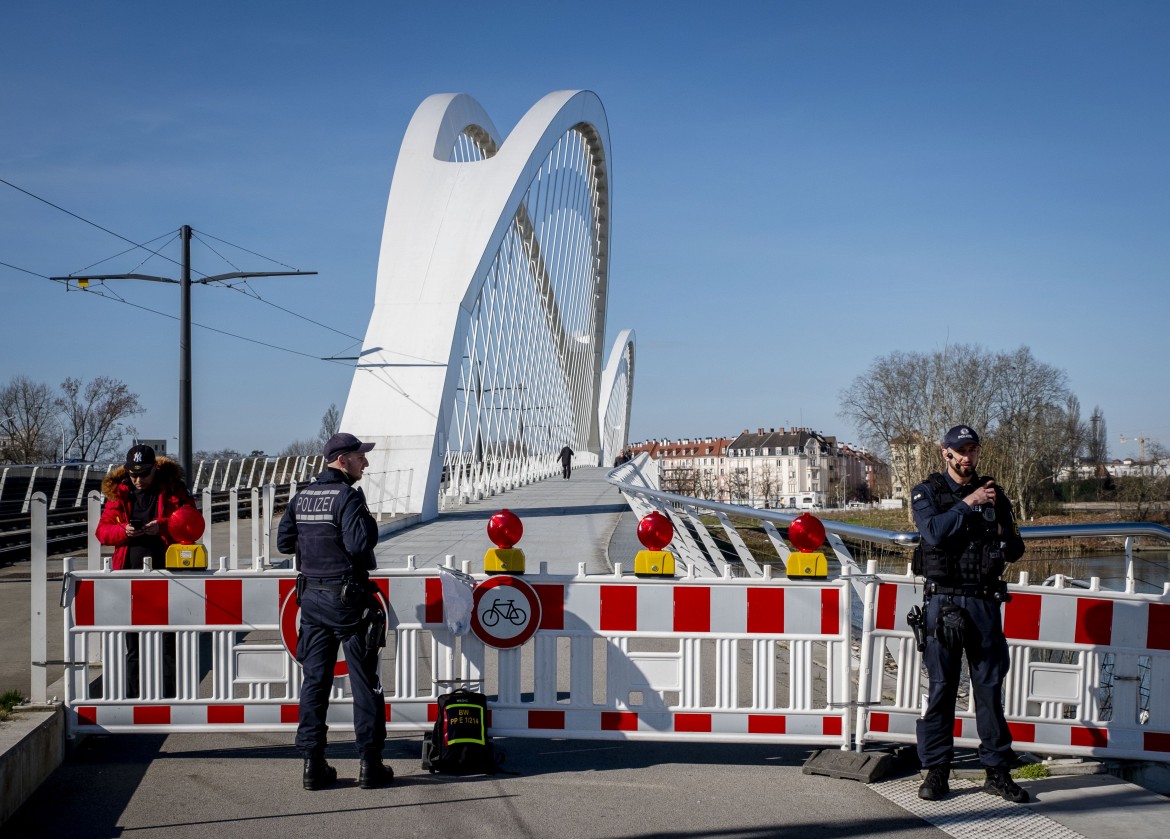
(972, 556)
(320, 545)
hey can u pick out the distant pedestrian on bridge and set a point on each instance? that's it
(140, 499)
(566, 459)
(968, 536)
(330, 529)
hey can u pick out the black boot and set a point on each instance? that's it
(318, 773)
(936, 786)
(999, 782)
(373, 773)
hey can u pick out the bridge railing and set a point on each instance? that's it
(638, 481)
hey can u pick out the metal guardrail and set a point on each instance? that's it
(638, 480)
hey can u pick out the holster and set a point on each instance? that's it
(374, 618)
(917, 621)
(355, 591)
(302, 581)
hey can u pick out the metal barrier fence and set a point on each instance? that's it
(713, 657)
(1089, 674)
(612, 656)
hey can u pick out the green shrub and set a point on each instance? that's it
(1032, 771)
(8, 701)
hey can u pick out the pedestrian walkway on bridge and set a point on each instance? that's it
(195, 785)
(565, 523)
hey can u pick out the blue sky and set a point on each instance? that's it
(798, 188)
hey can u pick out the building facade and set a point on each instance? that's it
(771, 469)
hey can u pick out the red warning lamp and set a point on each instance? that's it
(186, 525)
(504, 529)
(655, 531)
(806, 532)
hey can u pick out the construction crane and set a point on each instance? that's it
(1141, 441)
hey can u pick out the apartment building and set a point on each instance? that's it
(772, 468)
(697, 467)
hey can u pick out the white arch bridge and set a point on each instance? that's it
(483, 356)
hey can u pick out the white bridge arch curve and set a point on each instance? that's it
(617, 397)
(483, 354)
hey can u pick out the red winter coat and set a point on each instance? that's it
(116, 487)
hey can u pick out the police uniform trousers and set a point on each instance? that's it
(327, 624)
(987, 660)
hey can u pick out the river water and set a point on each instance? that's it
(1151, 569)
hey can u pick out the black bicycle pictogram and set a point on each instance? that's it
(512, 613)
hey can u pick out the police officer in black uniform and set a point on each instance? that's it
(329, 528)
(968, 535)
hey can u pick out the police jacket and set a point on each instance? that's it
(960, 545)
(330, 529)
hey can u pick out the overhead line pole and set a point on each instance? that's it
(185, 438)
(184, 282)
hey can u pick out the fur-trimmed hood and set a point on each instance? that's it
(169, 475)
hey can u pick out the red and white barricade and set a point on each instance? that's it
(601, 656)
(1089, 671)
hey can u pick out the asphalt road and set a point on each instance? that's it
(188, 785)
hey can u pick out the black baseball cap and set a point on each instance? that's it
(959, 436)
(139, 460)
(342, 443)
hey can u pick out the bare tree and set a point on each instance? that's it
(766, 485)
(26, 419)
(302, 447)
(1097, 447)
(95, 415)
(1151, 486)
(1028, 438)
(1029, 419)
(739, 485)
(709, 485)
(221, 454)
(330, 422)
(682, 480)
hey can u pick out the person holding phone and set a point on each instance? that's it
(140, 499)
(968, 536)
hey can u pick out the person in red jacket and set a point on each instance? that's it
(140, 499)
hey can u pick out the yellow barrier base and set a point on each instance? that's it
(186, 556)
(503, 561)
(654, 563)
(806, 565)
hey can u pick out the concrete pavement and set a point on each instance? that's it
(566, 522)
(197, 785)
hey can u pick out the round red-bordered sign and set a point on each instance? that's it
(290, 619)
(506, 612)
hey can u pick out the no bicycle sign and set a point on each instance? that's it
(506, 612)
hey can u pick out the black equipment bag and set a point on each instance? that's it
(459, 743)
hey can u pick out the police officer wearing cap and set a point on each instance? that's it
(330, 529)
(968, 535)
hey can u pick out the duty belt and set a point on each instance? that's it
(995, 591)
(333, 584)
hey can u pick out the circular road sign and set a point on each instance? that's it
(506, 612)
(290, 623)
